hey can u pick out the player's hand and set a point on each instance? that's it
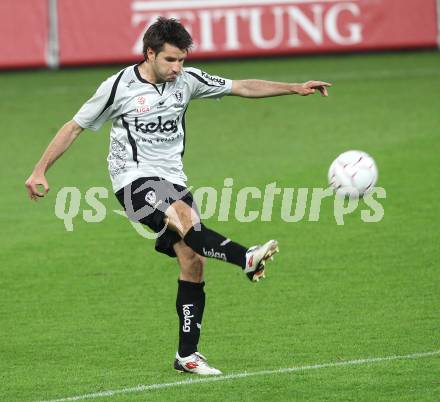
(32, 183)
(310, 87)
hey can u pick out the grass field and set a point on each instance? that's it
(76, 312)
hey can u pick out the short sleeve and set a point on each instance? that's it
(204, 85)
(101, 106)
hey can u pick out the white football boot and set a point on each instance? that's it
(195, 364)
(256, 258)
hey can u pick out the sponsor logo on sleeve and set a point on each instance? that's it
(213, 78)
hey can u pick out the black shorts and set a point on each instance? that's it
(146, 199)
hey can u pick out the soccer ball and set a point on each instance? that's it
(353, 174)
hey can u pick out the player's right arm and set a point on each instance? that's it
(60, 143)
(92, 115)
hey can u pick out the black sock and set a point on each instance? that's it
(208, 243)
(190, 304)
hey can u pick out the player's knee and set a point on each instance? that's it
(196, 262)
(181, 217)
(199, 262)
(194, 267)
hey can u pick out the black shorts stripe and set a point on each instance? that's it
(111, 98)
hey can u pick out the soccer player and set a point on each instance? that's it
(147, 103)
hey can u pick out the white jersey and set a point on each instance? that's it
(147, 137)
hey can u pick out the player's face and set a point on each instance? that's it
(168, 63)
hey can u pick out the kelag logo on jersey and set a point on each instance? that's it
(169, 126)
(218, 80)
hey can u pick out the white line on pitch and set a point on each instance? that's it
(143, 388)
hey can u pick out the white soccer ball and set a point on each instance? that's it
(353, 174)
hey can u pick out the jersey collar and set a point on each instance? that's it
(139, 77)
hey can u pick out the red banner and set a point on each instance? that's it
(23, 33)
(107, 31)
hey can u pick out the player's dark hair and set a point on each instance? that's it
(166, 30)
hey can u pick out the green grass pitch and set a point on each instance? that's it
(76, 311)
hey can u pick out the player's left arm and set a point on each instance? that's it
(263, 89)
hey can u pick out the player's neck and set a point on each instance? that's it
(147, 73)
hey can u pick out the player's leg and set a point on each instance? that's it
(205, 242)
(185, 221)
(190, 304)
(190, 263)
(156, 202)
